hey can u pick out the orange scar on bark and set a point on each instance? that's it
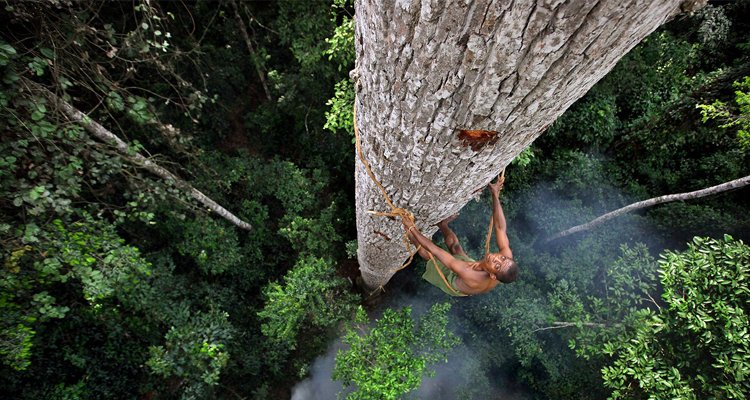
(382, 234)
(477, 138)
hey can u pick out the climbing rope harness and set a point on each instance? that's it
(401, 212)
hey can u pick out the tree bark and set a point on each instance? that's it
(103, 134)
(427, 69)
(731, 185)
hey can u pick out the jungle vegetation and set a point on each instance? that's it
(116, 284)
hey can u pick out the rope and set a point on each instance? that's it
(401, 212)
(395, 211)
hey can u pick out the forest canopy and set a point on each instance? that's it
(119, 281)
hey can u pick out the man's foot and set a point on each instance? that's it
(448, 220)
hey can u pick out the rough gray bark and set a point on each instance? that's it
(426, 69)
(726, 186)
(103, 134)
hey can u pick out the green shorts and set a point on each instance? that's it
(431, 275)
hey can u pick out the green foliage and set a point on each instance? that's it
(303, 27)
(608, 313)
(351, 248)
(86, 252)
(341, 44)
(194, 349)
(524, 158)
(15, 346)
(6, 53)
(696, 346)
(293, 187)
(340, 116)
(312, 235)
(137, 109)
(309, 301)
(720, 111)
(714, 30)
(391, 358)
(87, 314)
(594, 121)
(212, 244)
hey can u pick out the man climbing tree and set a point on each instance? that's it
(429, 71)
(456, 273)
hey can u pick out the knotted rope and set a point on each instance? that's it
(401, 212)
(395, 211)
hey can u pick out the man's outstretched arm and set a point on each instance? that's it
(418, 239)
(498, 219)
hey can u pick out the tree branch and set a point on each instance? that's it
(731, 185)
(250, 48)
(560, 325)
(101, 133)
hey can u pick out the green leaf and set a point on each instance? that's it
(115, 101)
(47, 53)
(29, 233)
(7, 49)
(36, 192)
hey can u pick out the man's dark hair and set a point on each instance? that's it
(510, 274)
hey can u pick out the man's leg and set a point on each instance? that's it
(451, 240)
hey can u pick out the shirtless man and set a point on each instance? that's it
(463, 275)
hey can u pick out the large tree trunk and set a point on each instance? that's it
(426, 69)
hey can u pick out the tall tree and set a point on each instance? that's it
(449, 92)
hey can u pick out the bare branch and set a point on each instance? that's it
(250, 48)
(101, 133)
(560, 325)
(731, 185)
(653, 301)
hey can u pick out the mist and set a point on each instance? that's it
(320, 385)
(532, 215)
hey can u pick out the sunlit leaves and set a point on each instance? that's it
(86, 252)
(729, 117)
(310, 299)
(698, 345)
(341, 50)
(340, 115)
(195, 349)
(389, 359)
(342, 43)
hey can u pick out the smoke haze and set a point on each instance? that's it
(534, 215)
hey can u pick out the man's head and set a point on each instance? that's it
(502, 268)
